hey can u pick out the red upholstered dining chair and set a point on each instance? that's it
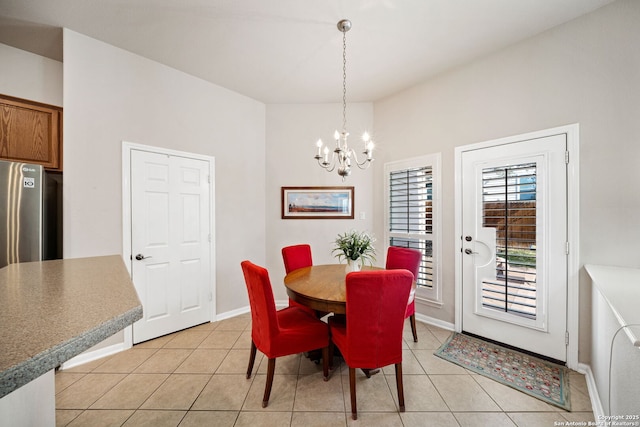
(295, 257)
(408, 259)
(372, 336)
(279, 333)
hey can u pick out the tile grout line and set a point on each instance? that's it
(236, 415)
(431, 382)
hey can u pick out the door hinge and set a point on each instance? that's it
(566, 248)
(209, 238)
(566, 157)
(208, 179)
(210, 297)
(566, 338)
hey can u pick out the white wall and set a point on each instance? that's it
(292, 132)
(111, 95)
(29, 76)
(586, 71)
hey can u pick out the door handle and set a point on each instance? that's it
(469, 252)
(140, 257)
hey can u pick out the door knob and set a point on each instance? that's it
(140, 257)
(469, 251)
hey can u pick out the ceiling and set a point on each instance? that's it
(290, 51)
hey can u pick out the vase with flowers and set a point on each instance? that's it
(356, 247)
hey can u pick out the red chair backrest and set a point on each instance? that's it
(376, 304)
(406, 258)
(264, 321)
(296, 256)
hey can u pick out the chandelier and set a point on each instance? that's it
(343, 155)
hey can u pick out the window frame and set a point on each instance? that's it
(424, 295)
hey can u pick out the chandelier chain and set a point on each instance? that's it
(344, 81)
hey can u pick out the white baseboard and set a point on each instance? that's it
(285, 303)
(90, 356)
(435, 322)
(280, 304)
(594, 396)
(232, 313)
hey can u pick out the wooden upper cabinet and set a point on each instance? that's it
(30, 132)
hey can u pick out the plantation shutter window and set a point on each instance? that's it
(411, 218)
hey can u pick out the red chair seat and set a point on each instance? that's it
(298, 332)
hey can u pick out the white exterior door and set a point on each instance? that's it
(170, 242)
(514, 244)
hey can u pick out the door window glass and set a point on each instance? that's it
(509, 206)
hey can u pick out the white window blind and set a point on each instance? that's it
(411, 216)
(509, 206)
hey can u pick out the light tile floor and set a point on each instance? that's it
(196, 377)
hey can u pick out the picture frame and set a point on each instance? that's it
(317, 202)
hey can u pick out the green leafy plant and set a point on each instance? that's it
(353, 245)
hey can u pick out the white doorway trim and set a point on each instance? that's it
(573, 228)
(127, 147)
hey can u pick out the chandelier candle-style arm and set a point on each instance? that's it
(368, 146)
(342, 154)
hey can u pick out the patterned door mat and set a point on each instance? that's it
(539, 378)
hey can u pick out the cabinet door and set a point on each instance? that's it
(30, 132)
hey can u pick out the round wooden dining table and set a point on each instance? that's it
(322, 287)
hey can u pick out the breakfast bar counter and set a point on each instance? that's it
(51, 311)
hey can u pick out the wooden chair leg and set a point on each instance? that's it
(267, 388)
(325, 363)
(352, 392)
(412, 318)
(331, 351)
(399, 386)
(252, 359)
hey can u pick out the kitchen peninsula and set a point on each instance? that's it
(51, 311)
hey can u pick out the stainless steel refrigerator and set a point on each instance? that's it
(30, 213)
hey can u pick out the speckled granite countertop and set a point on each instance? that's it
(51, 311)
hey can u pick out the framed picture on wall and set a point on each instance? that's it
(317, 202)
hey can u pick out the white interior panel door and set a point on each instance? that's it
(514, 243)
(170, 242)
